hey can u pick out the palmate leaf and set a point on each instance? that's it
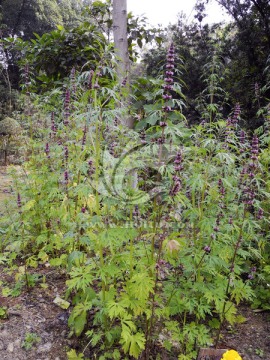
(132, 343)
(141, 285)
(78, 317)
(241, 291)
(72, 355)
(129, 302)
(81, 278)
(116, 310)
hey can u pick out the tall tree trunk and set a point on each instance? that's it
(19, 16)
(121, 49)
(123, 63)
(120, 37)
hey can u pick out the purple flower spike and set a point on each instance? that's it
(47, 150)
(236, 114)
(53, 127)
(176, 186)
(260, 214)
(84, 136)
(136, 212)
(178, 162)
(91, 168)
(168, 86)
(124, 82)
(73, 79)
(67, 107)
(66, 153)
(19, 202)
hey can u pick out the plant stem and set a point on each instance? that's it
(237, 245)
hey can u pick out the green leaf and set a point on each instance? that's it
(29, 205)
(141, 285)
(132, 343)
(116, 310)
(78, 317)
(72, 355)
(81, 278)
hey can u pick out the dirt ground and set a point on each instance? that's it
(5, 187)
(36, 328)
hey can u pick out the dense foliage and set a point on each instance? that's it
(158, 268)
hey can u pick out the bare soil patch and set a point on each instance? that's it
(5, 187)
(251, 338)
(34, 313)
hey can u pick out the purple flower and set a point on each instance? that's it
(236, 114)
(254, 148)
(124, 82)
(167, 97)
(207, 249)
(84, 136)
(66, 153)
(166, 108)
(170, 59)
(260, 214)
(19, 202)
(221, 188)
(53, 127)
(91, 168)
(136, 211)
(168, 78)
(168, 87)
(72, 76)
(67, 107)
(162, 124)
(178, 161)
(161, 140)
(176, 186)
(66, 176)
(242, 140)
(47, 150)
